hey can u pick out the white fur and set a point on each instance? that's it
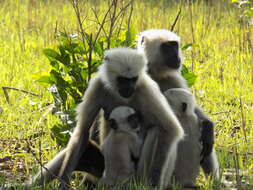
(176, 96)
(122, 61)
(149, 44)
(119, 147)
(121, 112)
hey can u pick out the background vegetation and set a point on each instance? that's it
(217, 37)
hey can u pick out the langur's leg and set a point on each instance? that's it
(92, 161)
(210, 165)
(147, 153)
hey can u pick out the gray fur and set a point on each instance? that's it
(187, 163)
(149, 43)
(102, 93)
(119, 147)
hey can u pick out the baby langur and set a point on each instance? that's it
(122, 146)
(162, 50)
(188, 159)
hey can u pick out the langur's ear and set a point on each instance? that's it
(106, 58)
(184, 106)
(113, 124)
(143, 40)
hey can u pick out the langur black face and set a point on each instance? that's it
(113, 124)
(126, 86)
(134, 120)
(170, 54)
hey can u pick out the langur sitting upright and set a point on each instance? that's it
(122, 81)
(187, 164)
(161, 48)
(122, 147)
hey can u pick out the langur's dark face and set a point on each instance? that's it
(170, 54)
(126, 86)
(134, 120)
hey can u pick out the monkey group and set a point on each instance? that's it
(152, 127)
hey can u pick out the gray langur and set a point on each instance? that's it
(122, 147)
(161, 48)
(188, 160)
(122, 81)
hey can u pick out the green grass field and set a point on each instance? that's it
(221, 57)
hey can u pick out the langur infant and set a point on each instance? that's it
(189, 149)
(122, 146)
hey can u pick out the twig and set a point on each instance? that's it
(90, 57)
(5, 88)
(237, 170)
(243, 120)
(112, 19)
(75, 6)
(176, 19)
(42, 166)
(250, 46)
(49, 109)
(129, 23)
(98, 22)
(103, 22)
(222, 112)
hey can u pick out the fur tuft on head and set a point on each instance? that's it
(149, 44)
(181, 101)
(121, 112)
(157, 35)
(125, 62)
(124, 117)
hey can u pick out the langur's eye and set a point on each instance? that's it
(133, 120)
(142, 40)
(106, 58)
(113, 124)
(184, 106)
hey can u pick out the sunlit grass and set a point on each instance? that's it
(220, 57)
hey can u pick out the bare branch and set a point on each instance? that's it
(176, 19)
(5, 88)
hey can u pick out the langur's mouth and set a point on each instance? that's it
(126, 92)
(174, 63)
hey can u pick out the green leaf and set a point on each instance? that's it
(46, 79)
(190, 78)
(55, 64)
(50, 53)
(188, 46)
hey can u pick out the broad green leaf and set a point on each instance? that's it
(46, 79)
(50, 53)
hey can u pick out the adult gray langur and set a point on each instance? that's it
(162, 50)
(122, 80)
(122, 147)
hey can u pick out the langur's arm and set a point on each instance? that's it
(86, 113)
(169, 133)
(207, 133)
(158, 107)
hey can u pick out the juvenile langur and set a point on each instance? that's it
(122, 80)
(161, 48)
(122, 147)
(188, 160)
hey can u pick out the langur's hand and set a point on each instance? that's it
(207, 138)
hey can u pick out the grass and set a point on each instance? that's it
(221, 57)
